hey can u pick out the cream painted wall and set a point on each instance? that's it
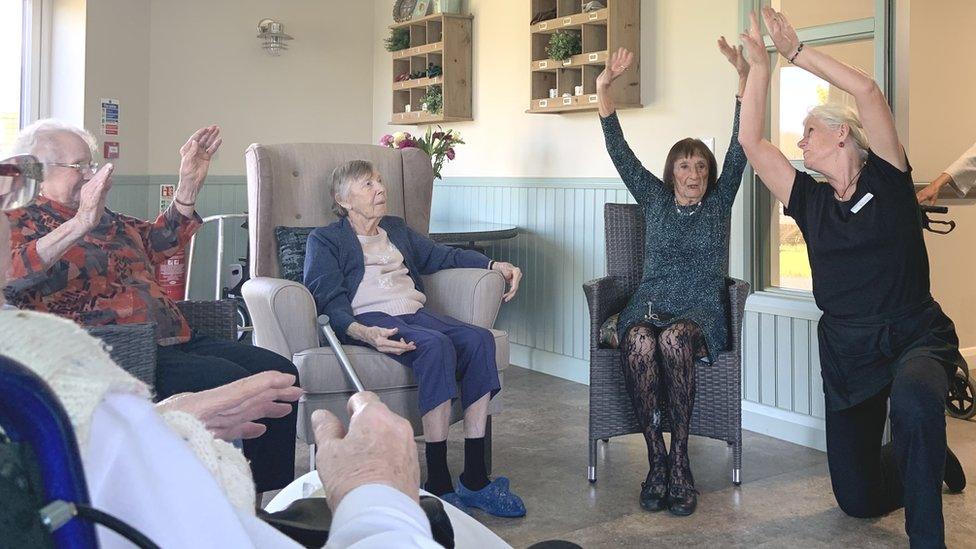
(942, 125)
(687, 89)
(207, 66)
(117, 67)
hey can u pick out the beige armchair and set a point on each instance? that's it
(289, 185)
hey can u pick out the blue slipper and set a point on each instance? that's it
(455, 500)
(495, 499)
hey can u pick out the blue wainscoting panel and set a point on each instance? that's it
(559, 247)
(782, 389)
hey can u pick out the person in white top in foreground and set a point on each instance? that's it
(165, 471)
(961, 175)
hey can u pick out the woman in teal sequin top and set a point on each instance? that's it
(678, 315)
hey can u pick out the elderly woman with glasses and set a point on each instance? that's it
(73, 257)
(364, 272)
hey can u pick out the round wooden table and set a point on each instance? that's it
(467, 234)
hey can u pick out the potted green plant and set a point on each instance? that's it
(399, 39)
(563, 45)
(434, 99)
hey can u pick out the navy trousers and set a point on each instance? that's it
(871, 480)
(205, 363)
(449, 352)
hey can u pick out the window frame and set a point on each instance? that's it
(35, 61)
(757, 201)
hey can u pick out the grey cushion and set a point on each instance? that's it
(291, 251)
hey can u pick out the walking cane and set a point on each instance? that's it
(340, 353)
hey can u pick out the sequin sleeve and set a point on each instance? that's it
(643, 185)
(735, 163)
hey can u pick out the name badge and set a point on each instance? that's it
(860, 203)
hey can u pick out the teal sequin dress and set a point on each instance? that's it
(686, 249)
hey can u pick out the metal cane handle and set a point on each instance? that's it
(330, 334)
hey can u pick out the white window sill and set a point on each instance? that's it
(782, 302)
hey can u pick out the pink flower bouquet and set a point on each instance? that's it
(439, 145)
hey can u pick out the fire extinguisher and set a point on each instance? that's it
(171, 275)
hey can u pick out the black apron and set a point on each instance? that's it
(861, 356)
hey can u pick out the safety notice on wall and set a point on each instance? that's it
(167, 192)
(110, 150)
(110, 116)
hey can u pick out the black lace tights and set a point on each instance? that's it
(659, 365)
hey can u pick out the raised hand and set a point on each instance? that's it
(512, 274)
(378, 448)
(617, 64)
(229, 411)
(752, 44)
(783, 35)
(91, 204)
(735, 57)
(195, 156)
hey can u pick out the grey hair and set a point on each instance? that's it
(836, 114)
(38, 139)
(343, 176)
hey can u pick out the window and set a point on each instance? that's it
(11, 66)
(851, 31)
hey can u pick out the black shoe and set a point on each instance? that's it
(653, 500)
(684, 502)
(955, 477)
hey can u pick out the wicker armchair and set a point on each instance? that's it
(133, 346)
(718, 408)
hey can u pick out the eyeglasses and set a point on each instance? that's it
(81, 167)
(20, 178)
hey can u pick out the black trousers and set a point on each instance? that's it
(870, 480)
(204, 363)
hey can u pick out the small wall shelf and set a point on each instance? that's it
(444, 40)
(601, 32)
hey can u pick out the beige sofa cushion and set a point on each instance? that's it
(320, 372)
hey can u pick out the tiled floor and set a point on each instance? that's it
(784, 501)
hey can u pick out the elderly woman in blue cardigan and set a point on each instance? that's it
(364, 272)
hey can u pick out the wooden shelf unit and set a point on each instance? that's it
(601, 33)
(443, 39)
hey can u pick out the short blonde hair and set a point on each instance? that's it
(39, 139)
(836, 114)
(342, 177)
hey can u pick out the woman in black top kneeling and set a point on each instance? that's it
(882, 336)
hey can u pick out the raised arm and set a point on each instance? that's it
(735, 160)
(872, 107)
(770, 164)
(641, 183)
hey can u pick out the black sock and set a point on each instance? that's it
(955, 478)
(438, 475)
(475, 475)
